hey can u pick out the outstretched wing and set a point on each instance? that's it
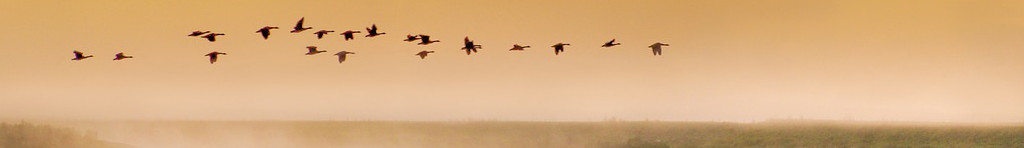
(299, 24)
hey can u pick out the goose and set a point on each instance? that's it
(656, 48)
(518, 47)
(372, 31)
(469, 46)
(298, 26)
(320, 34)
(423, 54)
(121, 56)
(213, 56)
(411, 38)
(425, 40)
(212, 36)
(560, 47)
(348, 34)
(610, 43)
(313, 51)
(342, 55)
(80, 56)
(265, 31)
(198, 33)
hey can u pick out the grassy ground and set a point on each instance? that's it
(550, 134)
(26, 135)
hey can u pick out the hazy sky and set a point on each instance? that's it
(733, 60)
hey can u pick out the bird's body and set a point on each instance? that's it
(265, 31)
(559, 48)
(610, 43)
(121, 56)
(320, 34)
(411, 38)
(212, 36)
(469, 46)
(349, 34)
(313, 51)
(342, 55)
(518, 47)
(213, 56)
(198, 33)
(372, 31)
(425, 40)
(423, 54)
(80, 56)
(656, 48)
(298, 26)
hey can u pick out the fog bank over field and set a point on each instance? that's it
(491, 134)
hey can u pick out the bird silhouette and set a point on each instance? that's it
(469, 46)
(560, 47)
(265, 31)
(213, 56)
(656, 48)
(298, 26)
(518, 47)
(313, 51)
(198, 33)
(342, 55)
(80, 56)
(423, 54)
(121, 56)
(212, 36)
(425, 40)
(348, 34)
(320, 34)
(610, 43)
(372, 31)
(411, 38)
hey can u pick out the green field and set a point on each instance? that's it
(210, 134)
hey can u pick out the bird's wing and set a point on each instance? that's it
(299, 25)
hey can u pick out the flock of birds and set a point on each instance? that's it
(372, 31)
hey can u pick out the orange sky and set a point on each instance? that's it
(732, 60)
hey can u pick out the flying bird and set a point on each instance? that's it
(373, 31)
(80, 56)
(411, 38)
(560, 47)
(425, 40)
(265, 31)
(298, 26)
(469, 46)
(610, 43)
(656, 48)
(518, 47)
(348, 34)
(423, 54)
(121, 56)
(213, 56)
(320, 34)
(313, 51)
(341, 55)
(212, 36)
(198, 33)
